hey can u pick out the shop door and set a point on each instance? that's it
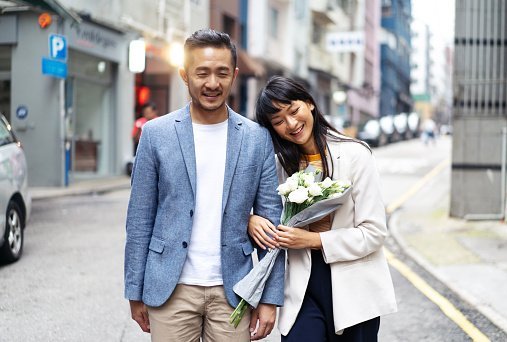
(89, 128)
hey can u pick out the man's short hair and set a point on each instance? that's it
(209, 38)
(149, 104)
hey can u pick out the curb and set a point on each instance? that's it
(38, 194)
(486, 311)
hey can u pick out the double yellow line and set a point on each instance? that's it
(445, 305)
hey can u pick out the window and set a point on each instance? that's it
(273, 22)
(317, 33)
(6, 136)
(228, 24)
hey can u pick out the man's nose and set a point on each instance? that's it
(212, 82)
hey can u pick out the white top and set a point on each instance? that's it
(203, 266)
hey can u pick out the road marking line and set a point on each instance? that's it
(416, 187)
(443, 303)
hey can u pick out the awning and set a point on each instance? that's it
(248, 66)
(53, 6)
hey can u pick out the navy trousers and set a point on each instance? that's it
(315, 319)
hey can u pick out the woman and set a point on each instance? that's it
(337, 281)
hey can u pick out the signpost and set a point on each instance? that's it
(56, 64)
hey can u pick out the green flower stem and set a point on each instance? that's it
(238, 313)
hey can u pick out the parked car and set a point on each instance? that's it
(15, 201)
(387, 127)
(400, 122)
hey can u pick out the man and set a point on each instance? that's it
(199, 172)
(148, 112)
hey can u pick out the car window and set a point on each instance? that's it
(6, 136)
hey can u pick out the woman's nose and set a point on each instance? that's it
(291, 121)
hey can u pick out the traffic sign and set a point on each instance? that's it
(52, 67)
(58, 47)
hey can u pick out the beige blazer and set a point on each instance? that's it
(361, 282)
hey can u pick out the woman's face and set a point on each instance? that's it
(294, 123)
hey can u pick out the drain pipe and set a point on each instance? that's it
(501, 215)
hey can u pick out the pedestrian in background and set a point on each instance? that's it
(429, 129)
(337, 278)
(148, 112)
(198, 173)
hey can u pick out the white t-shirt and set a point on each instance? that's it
(203, 266)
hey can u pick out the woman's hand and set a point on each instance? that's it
(297, 238)
(261, 230)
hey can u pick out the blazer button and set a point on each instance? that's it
(184, 244)
(191, 213)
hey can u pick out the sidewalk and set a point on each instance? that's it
(83, 187)
(470, 257)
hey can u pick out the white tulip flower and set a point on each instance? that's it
(299, 195)
(315, 190)
(283, 189)
(308, 179)
(326, 183)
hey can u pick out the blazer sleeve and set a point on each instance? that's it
(141, 214)
(268, 204)
(369, 228)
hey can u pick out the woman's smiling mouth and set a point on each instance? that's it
(297, 131)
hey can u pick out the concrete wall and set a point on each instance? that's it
(40, 130)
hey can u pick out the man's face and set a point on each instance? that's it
(209, 76)
(149, 113)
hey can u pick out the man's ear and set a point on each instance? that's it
(183, 75)
(235, 74)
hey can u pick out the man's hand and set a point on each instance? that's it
(140, 314)
(265, 315)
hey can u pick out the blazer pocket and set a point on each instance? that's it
(247, 247)
(156, 245)
(245, 169)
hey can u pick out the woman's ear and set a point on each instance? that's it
(311, 106)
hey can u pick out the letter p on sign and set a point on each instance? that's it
(58, 47)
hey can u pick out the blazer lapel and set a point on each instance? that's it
(234, 138)
(185, 136)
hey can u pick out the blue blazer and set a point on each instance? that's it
(162, 203)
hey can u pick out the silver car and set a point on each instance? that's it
(15, 201)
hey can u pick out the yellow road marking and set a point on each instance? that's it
(445, 305)
(416, 187)
(447, 308)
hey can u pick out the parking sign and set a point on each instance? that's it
(58, 47)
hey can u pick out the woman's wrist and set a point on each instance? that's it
(315, 241)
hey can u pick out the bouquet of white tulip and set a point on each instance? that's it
(307, 200)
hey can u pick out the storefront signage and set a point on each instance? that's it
(97, 40)
(345, 41)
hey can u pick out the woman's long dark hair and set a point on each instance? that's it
(282, 90)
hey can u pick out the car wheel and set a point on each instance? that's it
(13, 239)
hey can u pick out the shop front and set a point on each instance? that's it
(76, 126)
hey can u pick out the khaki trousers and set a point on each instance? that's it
(193, 312)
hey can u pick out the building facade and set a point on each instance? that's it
(479, 149)
(71, 127)
(395, 57)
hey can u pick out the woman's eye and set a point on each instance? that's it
(277, 123)
(295, 111)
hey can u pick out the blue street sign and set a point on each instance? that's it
(58, 47)
(21, 112)
(54, 68)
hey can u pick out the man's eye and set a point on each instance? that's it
(201, 74)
